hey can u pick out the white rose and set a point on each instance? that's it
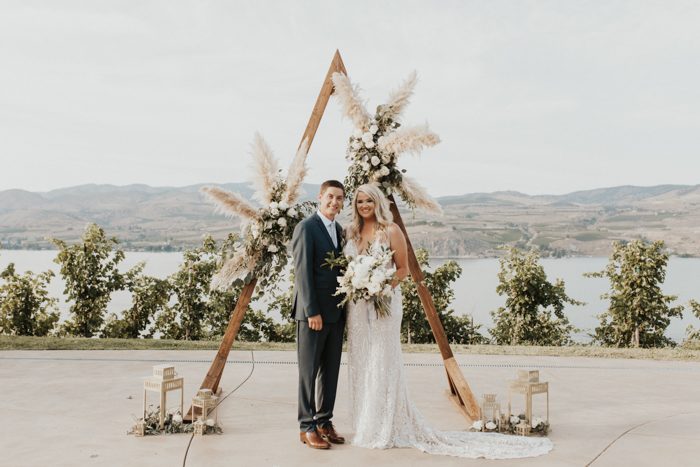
(490, 426)
(210, 422)
(275, 212)
(357, 144)
(373, 129)
(478, 425)
(282, 221)
(374, 288)
(536, 421)
(365, 166)
(384, 171)
(272, 248)
(283, 206)
(375, 161)
(367, 137)
(369, 144)
(177, 418)
(273, 205)
(291, 212)
(357, 133)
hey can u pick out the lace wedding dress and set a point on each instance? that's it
(382, 414)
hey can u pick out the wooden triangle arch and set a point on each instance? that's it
(460, 392)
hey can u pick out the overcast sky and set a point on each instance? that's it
(539, 97)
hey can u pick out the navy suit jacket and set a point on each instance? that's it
(315, 284)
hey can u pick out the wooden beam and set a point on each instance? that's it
(213, 377)
(324, 96)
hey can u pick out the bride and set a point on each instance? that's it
(382, 414)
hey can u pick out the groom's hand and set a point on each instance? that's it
(315, 322)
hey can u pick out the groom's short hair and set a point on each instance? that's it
(331, 183)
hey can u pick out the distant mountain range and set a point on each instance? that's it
(474, 224)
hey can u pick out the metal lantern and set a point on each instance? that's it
(139, 428)
(490, 410)
(206, 401)
(164, 380)
(199, 427)
(522, 428)
(528, 384)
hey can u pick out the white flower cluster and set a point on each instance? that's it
(479, 425)
(536, 422)
(364, 151)
(369, 277)
(272, 225)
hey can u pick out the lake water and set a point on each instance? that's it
(475, 291)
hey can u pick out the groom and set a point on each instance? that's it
(320, 322)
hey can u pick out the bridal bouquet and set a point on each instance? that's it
(369, 277)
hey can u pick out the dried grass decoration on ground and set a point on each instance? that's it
(379, 140)
(262, 250)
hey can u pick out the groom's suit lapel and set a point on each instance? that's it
(340, 236)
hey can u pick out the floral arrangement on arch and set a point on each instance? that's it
(379, 140)
(262, 249)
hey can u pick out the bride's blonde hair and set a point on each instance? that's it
(382, 210)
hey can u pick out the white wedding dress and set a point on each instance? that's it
(382, 414)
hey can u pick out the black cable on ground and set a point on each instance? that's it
(252, 368)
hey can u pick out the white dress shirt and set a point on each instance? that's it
(330, 226)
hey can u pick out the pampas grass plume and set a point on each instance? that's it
(420, 197)
(349, 98)
(230, 204)
(265, 170)
(297, 172)
(412, 139)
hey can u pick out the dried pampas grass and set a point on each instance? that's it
(349, 98)
(412, 139)
(234, 268)
(297, 173)
(419, 196)
(230, 204)
(400, 98)
(265, 170)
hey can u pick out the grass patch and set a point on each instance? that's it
(590, 236)
(688, 352)
(82, 343)
(511, 235)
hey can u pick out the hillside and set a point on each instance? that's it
(474, 225)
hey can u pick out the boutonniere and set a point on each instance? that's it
(342, 239)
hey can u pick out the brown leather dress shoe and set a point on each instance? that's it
(313, 440)
(328, 433)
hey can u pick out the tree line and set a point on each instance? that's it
(182, 306)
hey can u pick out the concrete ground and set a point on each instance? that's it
(73, 408)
